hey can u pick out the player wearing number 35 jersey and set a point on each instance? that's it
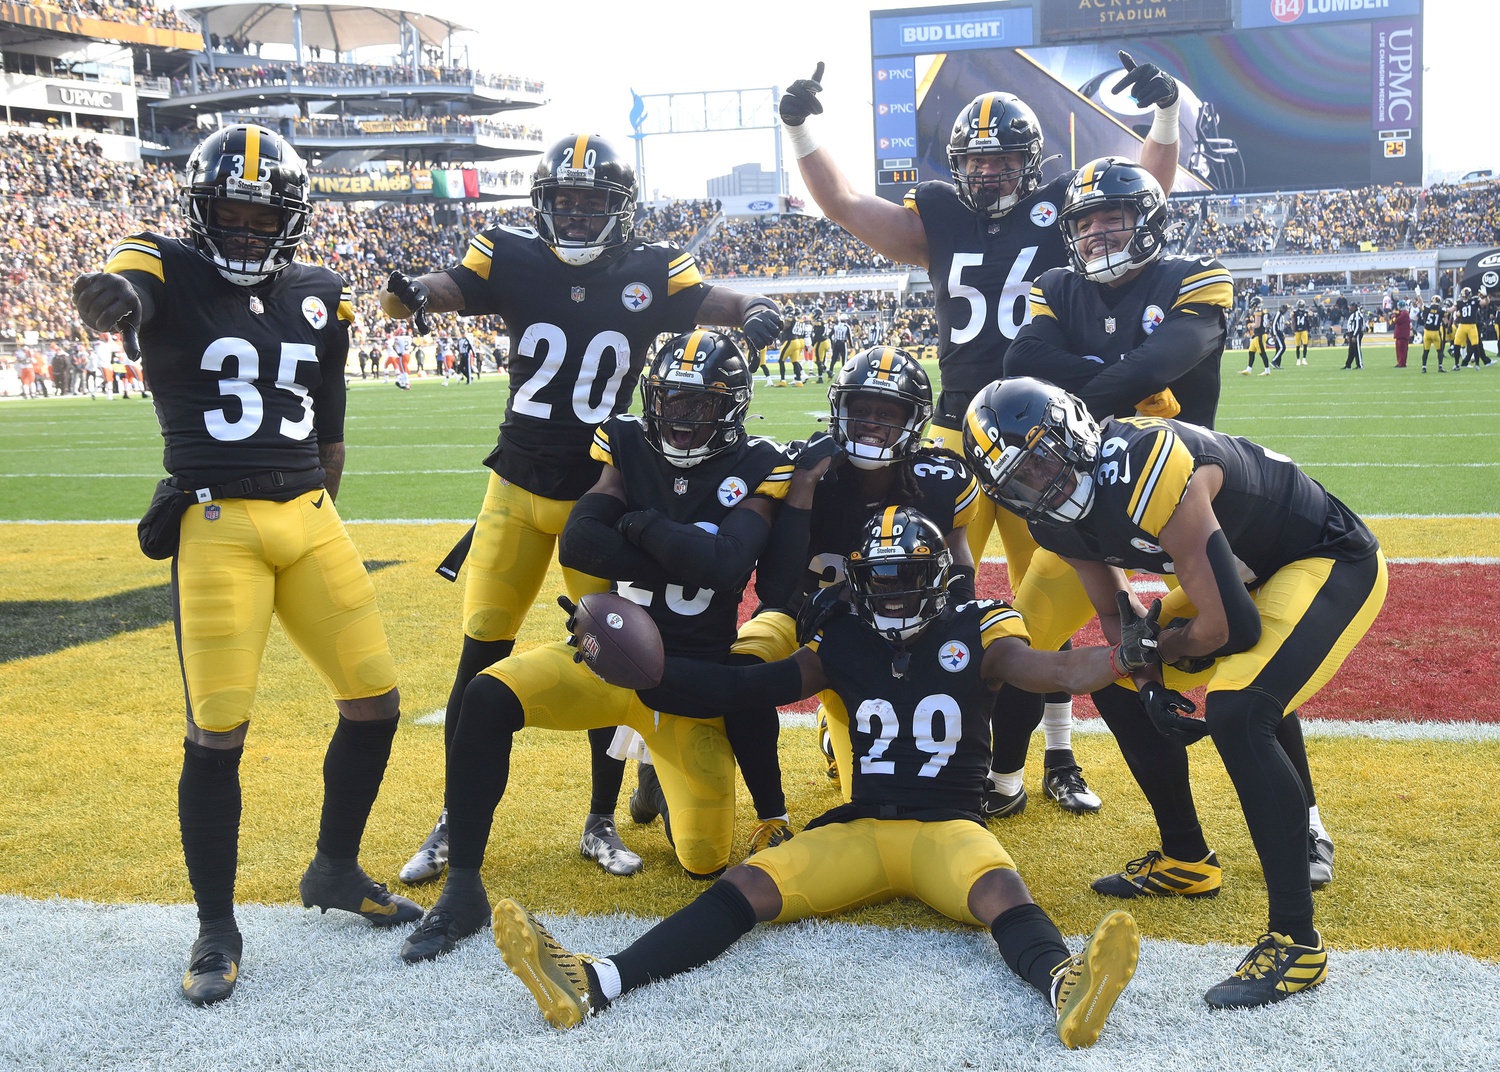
(583, 303)
(246, 349)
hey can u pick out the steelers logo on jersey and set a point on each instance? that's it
(315, 311)
(636, 296)
(1044, 213)
(732, 490)
(954, 656)
(1151, 319)
(1145, 545)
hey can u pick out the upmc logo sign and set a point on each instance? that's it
(1286, 10)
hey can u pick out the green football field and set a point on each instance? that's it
(1385, 440)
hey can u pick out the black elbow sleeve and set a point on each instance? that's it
(589, 538)
(1239, 609)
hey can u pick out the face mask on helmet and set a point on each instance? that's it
(879, 404)
(695, 396)
(584, 196)
(1033, 447)
(898, 576)
(995, 153)
(1113, 218)
(245, 202)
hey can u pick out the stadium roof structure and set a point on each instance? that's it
(339, 25)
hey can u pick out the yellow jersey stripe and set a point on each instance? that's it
(967, 505)
(1190, 281)
(1149, 474)
(1215, 293)
(129, 257)
(777, 482)
(1039, 306)
(1000, 623)
(682, 274)
(346, 311)
(479, 257)
(599, 449)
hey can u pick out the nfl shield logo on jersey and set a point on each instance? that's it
(954, 656)
(577, 294)
(211, 512)
(315, 311)
(1151, 318)
(1109, 325)
(636, 296)
(679, 485)
(1043, 213)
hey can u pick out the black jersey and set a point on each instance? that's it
(1271, 512)
(981, 271)
(1302, 320)
(245, 380)
(921, 740)
(694, 622)
(1103, 324)
(1468, 310)
(1432, 318)
(945, 491)
(579, 338)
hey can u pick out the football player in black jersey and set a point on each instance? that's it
(1432, 332)
(915, 670)
(1466, 337)
(677, 520)
(1129, 330)
(879, 406)
(1255, 318)
(982, 238)
(1302, 324)
(1285, 580)
(246, 348)
(583, 302)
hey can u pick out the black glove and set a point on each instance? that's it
(1150, 86)
(1137, 647)
(572, 611)
(415, 296)
(106, 301)
(762, 327)
(820, 606)
(1167, 710)
(805, 454)
(633, 525)
(801, 99)
(1188, 664)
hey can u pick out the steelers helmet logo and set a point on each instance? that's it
(954, 656)
(1151, 319)
(636, 296)
(1044, 213)
(732, 490)
(315, 311)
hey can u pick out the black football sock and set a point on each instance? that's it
(475, 656)
(352, 771)
(1031, 945)
(1245, 728)
(208, 811)
(607, 772)
(689, 938)
(1160, 768)
(479, 766)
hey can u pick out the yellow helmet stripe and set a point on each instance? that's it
(252, 153)
(981, 436)
(984, 115)
(1087, 180)
(690, 351)
(887, 522)
(884, 363)
(580, 150)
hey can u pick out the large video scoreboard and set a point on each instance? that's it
(1277, 94)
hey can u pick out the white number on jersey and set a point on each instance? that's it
(675, 597)
(924, 724)
(555, 341)
(1014, 309)
(241, 386)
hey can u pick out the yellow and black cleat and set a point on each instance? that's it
(1275, 969)
(555, 977)
(1089, 983)
(213, 968)
(342, 884)
(1156, 875)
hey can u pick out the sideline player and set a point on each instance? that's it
(1285, 580)
(916, 671)
(229, 314)
(1256, 316)
(582, 302)
(1302, 324)
(1432, 332)
(982, 238)
(677, 519)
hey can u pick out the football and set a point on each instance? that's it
(618, 640)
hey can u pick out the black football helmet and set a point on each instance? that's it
(1301, 304)
(250, 164)
(581, 163)
(898, 573)
(1114, 182)
(1255, 303)
(1033, 447)
(995, 123)
(1466, 293)
(695, 395)
(881, 372)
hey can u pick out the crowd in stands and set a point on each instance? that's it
(1342, 220)
(1458, 216)
(261, 75)
(131, 12)
(1256, 233)
(787, 245)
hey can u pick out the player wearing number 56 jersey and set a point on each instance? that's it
(915, 673)
(245, 349)
(583, 303)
